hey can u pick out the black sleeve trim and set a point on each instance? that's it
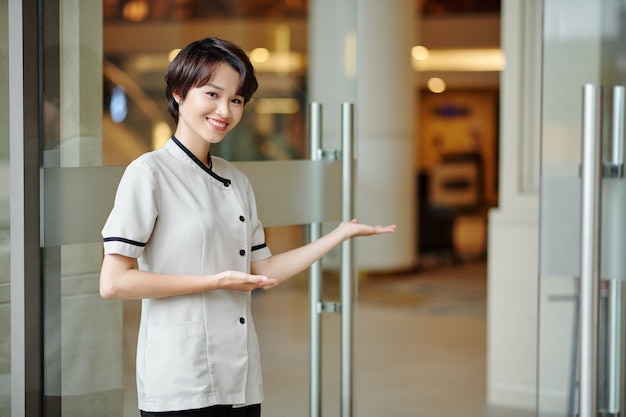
(257, 247)
(124, 240)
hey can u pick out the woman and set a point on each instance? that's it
(189, 221)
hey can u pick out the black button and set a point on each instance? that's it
(242, 320)
(242, 252)
(241, 218)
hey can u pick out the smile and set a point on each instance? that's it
(218, 124)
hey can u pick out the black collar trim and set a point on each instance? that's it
(209, 169)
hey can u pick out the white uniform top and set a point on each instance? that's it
(179, 217)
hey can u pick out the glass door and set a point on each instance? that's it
(582, 240)
(104, 105)
(83, 346)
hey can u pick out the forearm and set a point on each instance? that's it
(287, 264)
(120, 280)
(117, 281)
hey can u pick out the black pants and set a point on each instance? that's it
(215, 411)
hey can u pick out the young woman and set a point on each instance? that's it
(184, 237)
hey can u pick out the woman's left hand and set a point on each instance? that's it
(353, 229)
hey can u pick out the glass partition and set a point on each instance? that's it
(83, 338)
(583, 45)
(289, 43)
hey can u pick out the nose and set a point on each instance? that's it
(223, 108)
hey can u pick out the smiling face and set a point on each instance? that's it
(209, 111)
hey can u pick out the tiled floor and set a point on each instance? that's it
(419, 346)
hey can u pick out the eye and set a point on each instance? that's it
(237, 100)
(212, 94)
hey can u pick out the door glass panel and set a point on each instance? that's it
(583, 43)
(104, 105)
(273, 128)
(82, 332)
(5, 247)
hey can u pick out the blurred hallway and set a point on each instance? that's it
(420, 346)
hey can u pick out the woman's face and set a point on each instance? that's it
(210, 111)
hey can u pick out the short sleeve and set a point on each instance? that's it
(131, 221)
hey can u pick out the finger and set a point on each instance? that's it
(269, 286)
(385, 229)
(262, 281)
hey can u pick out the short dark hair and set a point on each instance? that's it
(195, 65)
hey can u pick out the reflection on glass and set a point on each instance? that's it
(273, 124)
(5, 248)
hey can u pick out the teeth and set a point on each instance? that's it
(217, 124)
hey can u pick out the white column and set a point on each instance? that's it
(360, 51)
(513, 236)
(81, 83)
(386, 191)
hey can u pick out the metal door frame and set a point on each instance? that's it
(25, 74)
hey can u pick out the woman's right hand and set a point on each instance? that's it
(241, 281)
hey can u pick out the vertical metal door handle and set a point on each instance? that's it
(347, 265)
(614, 167)
(615, 366)
(315, 278)
(348, 283)
(589, 249)
(617, 136)
(615, 333)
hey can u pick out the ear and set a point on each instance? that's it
(177, 98)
